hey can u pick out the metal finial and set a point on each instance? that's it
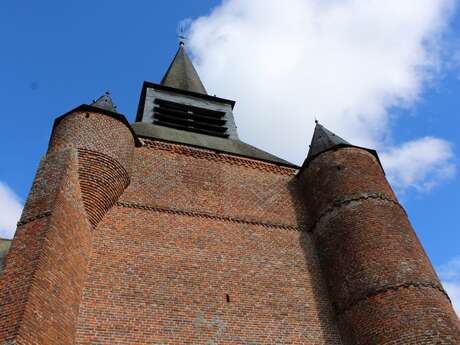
(316, 120)
(181, 36)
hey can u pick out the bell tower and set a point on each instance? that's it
(180, 110)
(181, 102)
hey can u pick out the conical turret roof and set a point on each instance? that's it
(105, 102)
(182, 75)
(323, 140)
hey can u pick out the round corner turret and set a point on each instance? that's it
(105, 143)
(376, 270)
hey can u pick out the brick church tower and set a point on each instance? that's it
(171, 230)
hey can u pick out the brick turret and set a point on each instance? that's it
(86, 169)
(381, 283)
(105, 144)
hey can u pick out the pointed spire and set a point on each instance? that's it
(105, 102)
(323, 140)
(182, 75)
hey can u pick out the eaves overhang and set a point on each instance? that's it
(309, 159)
(89, 108)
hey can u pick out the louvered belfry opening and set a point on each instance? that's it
(189, 118)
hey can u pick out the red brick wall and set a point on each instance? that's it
(192, 227)
(40, 288)
(181, 177)
(382, 285)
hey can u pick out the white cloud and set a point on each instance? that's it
(450, 276)
(10, 211)
(346, 62)
(453, 290)
(420, 164)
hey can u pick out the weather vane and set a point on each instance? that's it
(181, 35)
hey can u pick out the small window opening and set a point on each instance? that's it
(228, 298)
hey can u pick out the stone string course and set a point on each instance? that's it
(383, 290)
(346, 200)
(198, 214)
(31, 219)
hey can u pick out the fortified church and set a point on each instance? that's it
(171, 230)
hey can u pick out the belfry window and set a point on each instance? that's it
(189, 118)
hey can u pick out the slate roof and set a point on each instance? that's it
(182, 75)
(105, 102)
(181, 78)
(237, 147)
(323, 140)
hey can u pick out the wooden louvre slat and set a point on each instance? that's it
(189, 118)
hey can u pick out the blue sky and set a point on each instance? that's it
(57, 55)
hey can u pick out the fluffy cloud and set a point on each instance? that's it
(450, 276)
(420, 164)
(345, 62)
(10, 211)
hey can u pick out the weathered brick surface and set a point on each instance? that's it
(376, 270)
(186, 178)
(335, 175)
(191, 229)
(41, 285)
(102, 180)
(105, 149)
(95, 132)
(16, 277)
(358, 230)
(403, 316)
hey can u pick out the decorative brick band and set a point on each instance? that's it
(340, 202)
(31, 219)
(386, 289)
(219, 157)
(205, 215)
